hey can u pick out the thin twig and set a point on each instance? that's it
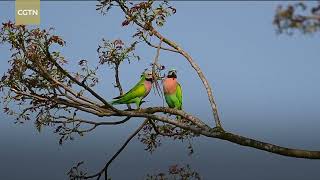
(154, 74)
(118, 84)
(117, 153)
(154, 46)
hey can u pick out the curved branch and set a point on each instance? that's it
(244, 141)
(148, 27)
(275, 149)
(116, 76)
(200, 74)
(98, 175)
(314, 17)
(154, 74)
(118, 84)
(69, 120)
(76, 81)
(154, 46)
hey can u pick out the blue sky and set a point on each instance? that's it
(266, 86)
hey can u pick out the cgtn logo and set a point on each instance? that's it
(27, 12)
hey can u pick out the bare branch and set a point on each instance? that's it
(155, 74)
(105, 169)
(78, 82)
(244, 141)
(154, 46)
(71, 120)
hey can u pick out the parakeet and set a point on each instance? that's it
(172, 90)
(138, 92)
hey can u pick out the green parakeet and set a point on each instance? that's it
(138, 92)
(172, 90)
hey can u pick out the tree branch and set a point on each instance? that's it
(205, 130)
(275, 149)
(148, 27)
(104, 170)
(78, 82)
(154, 46)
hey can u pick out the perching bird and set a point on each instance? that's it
(172, 90)
(138, 92)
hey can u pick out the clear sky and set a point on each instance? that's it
(266, 86)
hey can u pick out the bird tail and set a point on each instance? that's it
(110, 102)
(113, 102)
(118, 97)
(117, 100)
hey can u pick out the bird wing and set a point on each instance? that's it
(137, 91)
(179, 93)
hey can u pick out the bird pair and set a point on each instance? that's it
(171, 88)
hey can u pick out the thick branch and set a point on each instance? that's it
(275, 149)
(314, 17)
